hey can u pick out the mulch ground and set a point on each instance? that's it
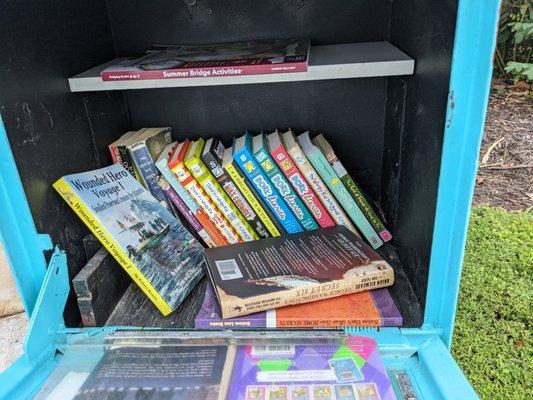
(506, 158)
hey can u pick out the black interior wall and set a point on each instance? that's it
(51, 131)
(416, 112)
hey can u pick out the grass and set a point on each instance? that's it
(492, 340)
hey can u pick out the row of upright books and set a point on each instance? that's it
(262, 186)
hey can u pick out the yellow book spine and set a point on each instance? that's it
(92, 222)
(245, 190)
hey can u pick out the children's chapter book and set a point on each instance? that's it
(212, 159)
(349, 370)
(354, 190)
(278, 180)
(160, 372)
(213, 60)
(243, 156)
(266, 216)
(293, 269)
(159, 254)
(297, 181)
(219, 197)
(371, 308)
(326, 172)
(177, 166)
(212, 237)
(313, 179)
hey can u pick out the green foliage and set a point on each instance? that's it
(492, 341)
(515, 40)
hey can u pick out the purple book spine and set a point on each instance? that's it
(172, 195)
(388, 311)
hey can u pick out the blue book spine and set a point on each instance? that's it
(271, 197)
(146, 168)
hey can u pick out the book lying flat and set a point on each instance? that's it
(293, 269)
(213, 60)
(352, 370)
(159, 254)
(371, 308)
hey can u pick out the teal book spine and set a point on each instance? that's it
(286, 191)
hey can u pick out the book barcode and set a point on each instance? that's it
(272, 350)
(228, 269)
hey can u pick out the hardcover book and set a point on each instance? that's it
(159, 254)
(371, 308)
(160, 372)
(293, 269)
(297, 181)
(187, 206)
(349, 370)
(213, 60)
(326, 172)
(212, 159)
(278, 180)
(210, 185)
(314, 180)
(270, 221)
(243, 156)
(352, 187)
(178, 167)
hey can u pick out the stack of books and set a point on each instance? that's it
(278, 187)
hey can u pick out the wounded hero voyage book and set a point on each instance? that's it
(293, 269)
(159, 254)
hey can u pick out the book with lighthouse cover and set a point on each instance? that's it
(159, 254)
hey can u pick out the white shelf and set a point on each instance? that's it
(342, 61)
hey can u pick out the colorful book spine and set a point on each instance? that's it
(115, 154)
(283, 187)
(313, 179)
(299, 184)
(184, 210)
(246, 162)
(147, 170)
(198, 194)
(354, 190)
(199, 214)
(212, 158)
(268, 219)
(216, 193)
(326, 172)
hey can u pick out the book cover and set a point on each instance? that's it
(160, 372)
(299, 184)
(270, 221)
(350, 369)
(293, 269)
(352, 187)
(210, 185)
(371, 308)
(326, 172)
(313, 179)
(213, 60)
(212, 159)
(242, 154)
(159, 254)
(271, 170)
(213, 234)
(178, 168)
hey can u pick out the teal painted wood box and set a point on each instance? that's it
(399, 87)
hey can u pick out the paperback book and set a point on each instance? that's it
(326, 172)
(293, 269)
(371, 308)
(352, 370)
(213, 60)
(120, 153)
(159, 254)
(352, 187)
(243, 156)
(278, 180)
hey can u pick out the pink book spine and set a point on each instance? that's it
(300, 186)
(203, 72)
